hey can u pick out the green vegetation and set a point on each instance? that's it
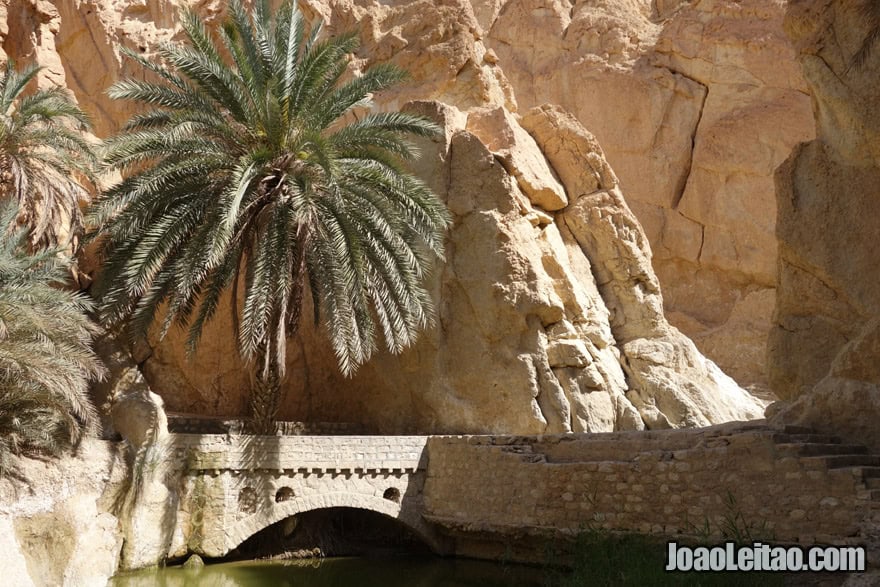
(252, 175)
(46, 361)
(44, 160)
(732, 525)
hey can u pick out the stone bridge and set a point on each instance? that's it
(482, 495)
(234, 486)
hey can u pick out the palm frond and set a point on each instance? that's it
(869, 10)
(46, 360)
(243, 170)
(46, 165)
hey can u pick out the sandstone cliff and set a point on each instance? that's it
(695, 104)
(825, 344)
(547, 295)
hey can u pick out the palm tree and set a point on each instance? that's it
(251, 166)
(44, 161)
(46, 360)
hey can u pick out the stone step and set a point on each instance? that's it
(535, 458)
(789, 429)
(781, 438)
(869, 472)
(846, 461)
(870, 494)
(517, 448)
(525, 452)
(870, 476)
(817, 450)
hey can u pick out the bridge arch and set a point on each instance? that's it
(264, 518)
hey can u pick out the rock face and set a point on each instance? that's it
(547, 322)
(672, 384)
(695, 104)
(150, 500)
(531, 337)
(825, 346)
(56, 528)
(147, 504)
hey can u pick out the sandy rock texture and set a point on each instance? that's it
(55, 522)
(662, 85)
(695, 104)
(547, 321)
(147, 509)
(825, 345)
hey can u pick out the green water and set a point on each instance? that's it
(424, 571)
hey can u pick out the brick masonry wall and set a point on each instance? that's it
(300, 453)
(737, 481)
(728, 481)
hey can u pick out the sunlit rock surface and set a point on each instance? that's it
(825, 344)
(660, 85)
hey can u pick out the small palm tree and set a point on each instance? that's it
(44, 160)
(46, 360)
(245, 168)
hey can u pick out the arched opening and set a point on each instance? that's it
(338, 531)
(392, 494)
(247, 500)
(283, 494)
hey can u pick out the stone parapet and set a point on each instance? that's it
(202, 452)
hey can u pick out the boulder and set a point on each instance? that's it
(671, 383)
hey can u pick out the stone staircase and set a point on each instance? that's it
(525, 451)
(831, 453)
(816, 450)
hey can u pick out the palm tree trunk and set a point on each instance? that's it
(265, 395)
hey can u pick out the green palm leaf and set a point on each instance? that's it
(45, 164)
(46, 361)
(243, 168)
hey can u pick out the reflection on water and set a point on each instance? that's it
(342, 572)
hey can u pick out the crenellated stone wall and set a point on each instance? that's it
(230, 488)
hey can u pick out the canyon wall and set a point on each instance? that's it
(825, 342)
(548, 321)
(694, 104)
